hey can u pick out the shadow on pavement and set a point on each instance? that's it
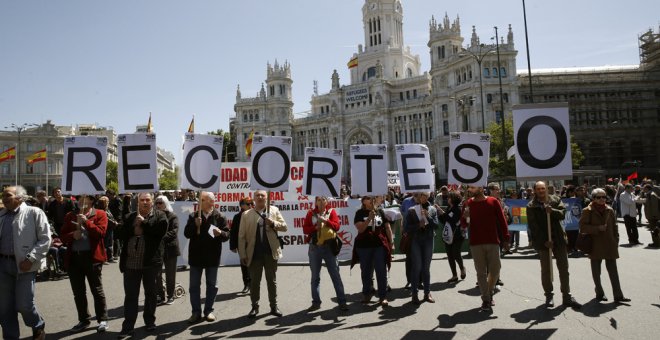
(419, 334)
(466, 317)
(474, 291)
(538, 315)
(523, 334)
(594, 308)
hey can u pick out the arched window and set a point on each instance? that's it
(409, 73)
(256, 117)
(245, 118)
(486, 72)
(494, 71)
(371, 72)
(251, 117)
(489, 98)
(503, 71)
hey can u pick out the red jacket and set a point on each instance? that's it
(487, 222)
(310, 228)
(96, 226)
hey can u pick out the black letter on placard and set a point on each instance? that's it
(406, 172)
(186, 165)
(369, 158)
(255, 167)
(457, 156)
(309, 175)
(126, 167)
(522, 142)
(87, 170)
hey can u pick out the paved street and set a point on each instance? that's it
(518, 314)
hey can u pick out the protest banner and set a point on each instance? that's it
(137, 170)
(84, 165)
(322, 176)
(369, 163)
(469, 154)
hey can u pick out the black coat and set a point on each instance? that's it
(171, 240)
(233, 232)
(204, 251)
(154, 229)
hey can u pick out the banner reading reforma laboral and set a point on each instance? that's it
(137, 171)
(469, 154)
(368, 164)
(271, 161)
(414, 165)
(202, 157)
(322, 172)
(542, 140)
(84, 165)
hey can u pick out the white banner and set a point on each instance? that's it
(296, 247)
(469, 154)
(84, 165)
(202, 157)
(393, 180)
(414, 164)
(368, 169)
(322, 172)
(356, 95)
(271, 161)
(236, 177)
(137, 170)
(542, 140)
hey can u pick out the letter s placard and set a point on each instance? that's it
(469, 154)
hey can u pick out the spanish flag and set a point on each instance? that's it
(191, 127)
(8, 154)
(149, 127)
(36, 157)
(353, 62)
(248, 144)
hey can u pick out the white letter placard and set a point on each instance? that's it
(414, 163)
(322, 172)
(468, 158)
(84, 165)
(542, 139)
(271, 163)
(369, 163)
(201, 162)
(137, 163)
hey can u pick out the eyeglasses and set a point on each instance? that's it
(600, 197)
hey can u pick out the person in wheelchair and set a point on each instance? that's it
(56, 255)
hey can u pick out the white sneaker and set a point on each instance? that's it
(102, 327)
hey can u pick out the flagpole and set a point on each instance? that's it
(46, 173)
(16, 160)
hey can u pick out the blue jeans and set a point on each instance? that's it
(316, 255)
(421, 251)
(196, 288)
(17, 296)
(370, 259)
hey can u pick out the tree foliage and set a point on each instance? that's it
(169, 179)
(228, 146)
(111, 177)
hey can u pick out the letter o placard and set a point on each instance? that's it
(524, 151)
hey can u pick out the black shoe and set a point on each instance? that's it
(151, 328)
(549, 301)
(39, 333)
(453, 280)
(621, 300)
(415, 299)
(276, 312)
(80, 326)
(572, 303)
(253, 313)
(499, 283)
(407, 286)
(125, 335)
(601, 298)
(245, 290)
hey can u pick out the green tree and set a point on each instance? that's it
(229, 145)
(169, 179)
(111, 179)
(499, 165)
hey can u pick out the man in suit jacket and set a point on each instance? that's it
(259, 249)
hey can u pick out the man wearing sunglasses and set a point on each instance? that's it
(537, 210)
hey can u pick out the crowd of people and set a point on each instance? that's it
(80, 235)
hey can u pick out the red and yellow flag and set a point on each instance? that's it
(149, 127)
(191, 127)
(248, 144)
(353, 62)
(8, 154)
(36, 157)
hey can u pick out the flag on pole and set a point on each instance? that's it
(248, 144)
(352, 63)
(36, 157)
(8, 154)
(149, 124)
(191, 127)
(632, 176)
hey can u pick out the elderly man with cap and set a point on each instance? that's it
(24, 242)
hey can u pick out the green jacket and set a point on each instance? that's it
(538, 224)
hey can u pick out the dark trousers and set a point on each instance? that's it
(116, 248)
(612, 271)
(260, 264)
(81, 267)
(631, 229)
(246, 275)
(572, 236)
(167, 290)
(132, 280)
(454, 256)
(561, 257)
(108, 241)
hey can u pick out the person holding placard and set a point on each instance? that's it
(141, 260)
(259, 249)
(537, 221)
(321, 224)
(206, 232)
(172, 251)
(421, 223)
(372, 249)
(484, 217)
(451, 218)
(599, 221)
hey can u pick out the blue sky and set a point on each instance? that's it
(113, 62)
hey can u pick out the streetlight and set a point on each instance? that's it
(479, 57)
(499, 77)
(19, 128)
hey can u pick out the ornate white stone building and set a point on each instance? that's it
(390, 99)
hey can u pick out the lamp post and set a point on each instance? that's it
(19, 128)
(479, 57)
(499, 77)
